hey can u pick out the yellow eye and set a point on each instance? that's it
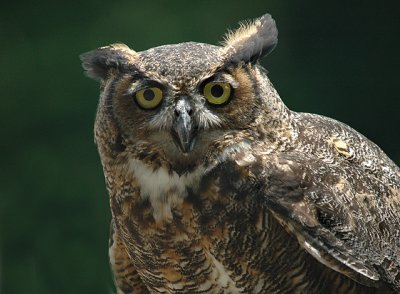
(149, 98)
(217, 93)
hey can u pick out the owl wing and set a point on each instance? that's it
(126, 278)
(344, 217)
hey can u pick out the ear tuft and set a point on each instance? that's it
(251, 40)
(100, 61)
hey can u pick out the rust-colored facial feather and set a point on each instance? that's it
(241, 111)
(153, 127)
(133, 121)
(180, 71)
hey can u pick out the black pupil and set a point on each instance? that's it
(217, 91)
(148, 94)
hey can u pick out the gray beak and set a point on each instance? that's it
(183, 129)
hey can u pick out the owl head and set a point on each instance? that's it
(178, 102)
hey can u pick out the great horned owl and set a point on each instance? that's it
(217, 187)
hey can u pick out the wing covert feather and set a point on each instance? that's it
(345, 218)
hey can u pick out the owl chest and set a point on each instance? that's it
(163, 190)
(180, 232)
(203, 234)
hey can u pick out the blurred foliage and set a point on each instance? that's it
(336, 58)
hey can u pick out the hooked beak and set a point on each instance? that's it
(183, 129)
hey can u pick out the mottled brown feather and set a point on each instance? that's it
(267, 200)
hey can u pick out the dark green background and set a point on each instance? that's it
(336, 58)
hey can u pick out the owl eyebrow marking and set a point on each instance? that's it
(154, 77)
(137, 85)
(219, 76)
(230, 79)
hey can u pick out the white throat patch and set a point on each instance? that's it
(164, 189)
